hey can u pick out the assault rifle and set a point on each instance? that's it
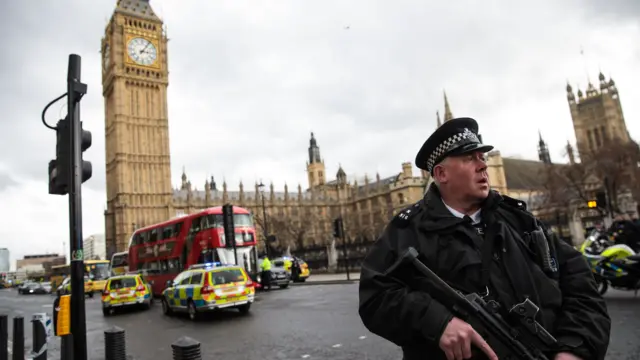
(527, 340)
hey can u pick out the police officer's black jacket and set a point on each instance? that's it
(400, 310)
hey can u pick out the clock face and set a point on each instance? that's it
(142, 51)
(106, 56)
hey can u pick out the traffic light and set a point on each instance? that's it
(85, 143)
(592, 204)
(60, 168)
(337, 228)
(227, 223)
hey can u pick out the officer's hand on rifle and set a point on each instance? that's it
(566, 356)
(457, 338)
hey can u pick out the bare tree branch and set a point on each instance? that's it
(614, 167)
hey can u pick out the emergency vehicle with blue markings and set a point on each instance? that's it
(209, 287)
(129, 290)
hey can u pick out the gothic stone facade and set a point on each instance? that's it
(139, 190)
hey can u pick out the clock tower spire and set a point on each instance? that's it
(134, 87)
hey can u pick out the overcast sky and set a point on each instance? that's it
(250, 81)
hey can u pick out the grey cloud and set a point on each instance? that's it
(628, 10)
(248, 83)
(6, 181)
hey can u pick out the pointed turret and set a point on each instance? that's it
(207, 193)
(213, 184)
(438, 121)
(138, 9)
(314, 150)
(572, 159)
(543, 150)
(341, 176)
(315, 166)
(447, 109)
(184, 184)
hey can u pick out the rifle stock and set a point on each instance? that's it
(526, 341)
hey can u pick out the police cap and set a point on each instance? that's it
(455, 137)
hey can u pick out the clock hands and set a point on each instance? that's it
(145, 48)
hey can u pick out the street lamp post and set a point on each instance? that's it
(265, 227)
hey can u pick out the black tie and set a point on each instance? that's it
(478, 226)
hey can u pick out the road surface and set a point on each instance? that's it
(302, 322)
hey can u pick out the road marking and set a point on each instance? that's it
(10, 346)
(362, 337)
(336, 345)
(306, 356)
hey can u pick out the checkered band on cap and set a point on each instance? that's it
(450, 144)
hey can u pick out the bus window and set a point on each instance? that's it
(99, 271)
(176, 229)
(207, 256)
(153, 235)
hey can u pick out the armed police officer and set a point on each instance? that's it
(478, 241)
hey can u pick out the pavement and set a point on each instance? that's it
(302, 322)
(324, 279)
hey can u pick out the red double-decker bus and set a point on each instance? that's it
(163, 250)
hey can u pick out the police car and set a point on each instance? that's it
(208, 287)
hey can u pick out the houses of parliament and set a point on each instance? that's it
(138, 161)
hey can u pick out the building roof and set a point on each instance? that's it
(524, 174)
(137, 8)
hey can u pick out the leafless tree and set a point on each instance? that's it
(613, 168)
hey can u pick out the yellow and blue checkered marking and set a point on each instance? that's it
(180, 295)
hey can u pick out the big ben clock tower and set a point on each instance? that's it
(134, 86)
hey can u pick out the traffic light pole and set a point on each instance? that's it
(75, 91)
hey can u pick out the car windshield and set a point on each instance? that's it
(227, 276)
(122, 283)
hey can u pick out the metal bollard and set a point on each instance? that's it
(114, 344)
(4, 337)
(186, 348)
(39, 347)
(66, 347)
(18, 338)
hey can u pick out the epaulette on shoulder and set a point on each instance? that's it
(518, 204)
(403, 219)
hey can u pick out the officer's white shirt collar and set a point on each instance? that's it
(476, 217)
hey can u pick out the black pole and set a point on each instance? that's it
(18, 338)
(78, 322)
(265, 227)
(66, 347)
(4, 336)
(38, 339)
(344, 248)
